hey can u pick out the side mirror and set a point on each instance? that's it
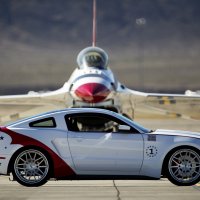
(124, 128)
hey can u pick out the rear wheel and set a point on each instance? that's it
(31, 168)
(184, 167)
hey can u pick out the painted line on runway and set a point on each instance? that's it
(197, 186)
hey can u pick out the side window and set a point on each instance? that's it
(91, 122)
(44, 123)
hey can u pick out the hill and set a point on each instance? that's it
(153, 45)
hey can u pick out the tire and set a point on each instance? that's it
(31, 168)
(183, 167)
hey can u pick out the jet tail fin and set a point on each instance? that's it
(94, 28)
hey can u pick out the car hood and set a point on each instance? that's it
(177, 133)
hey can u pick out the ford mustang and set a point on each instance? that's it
(87, 143)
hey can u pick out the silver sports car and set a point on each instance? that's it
(87, 143)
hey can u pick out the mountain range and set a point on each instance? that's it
(153, 44)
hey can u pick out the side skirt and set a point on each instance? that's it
(107, 177)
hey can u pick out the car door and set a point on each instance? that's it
(97, 147)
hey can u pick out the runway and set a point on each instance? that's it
(170, 123)
(106, 190)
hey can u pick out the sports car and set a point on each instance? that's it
(87, 143)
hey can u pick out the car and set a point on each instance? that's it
(89, 143)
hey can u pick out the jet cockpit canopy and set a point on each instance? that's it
(93, 57)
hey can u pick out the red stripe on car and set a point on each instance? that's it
(61, 169)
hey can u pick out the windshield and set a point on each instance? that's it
(93, 57)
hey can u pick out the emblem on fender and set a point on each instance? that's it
(151, 151)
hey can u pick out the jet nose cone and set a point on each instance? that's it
(92, 92)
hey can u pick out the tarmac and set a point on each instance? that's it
(101, 189)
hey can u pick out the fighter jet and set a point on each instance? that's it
(93, 84)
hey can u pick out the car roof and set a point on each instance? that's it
(67, 110)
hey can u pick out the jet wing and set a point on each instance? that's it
(15, 107)
(151, 105)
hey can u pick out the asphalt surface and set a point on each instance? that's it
(171, 123)
(109, 189)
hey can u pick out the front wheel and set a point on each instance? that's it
(31, 168)
(184, 167)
